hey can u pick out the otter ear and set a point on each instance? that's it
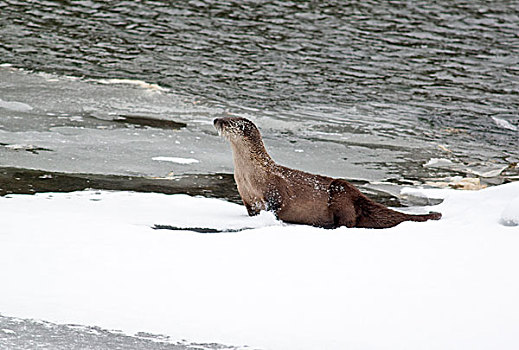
(248, 131)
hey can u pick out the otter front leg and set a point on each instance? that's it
(252, 210)
(273, 202)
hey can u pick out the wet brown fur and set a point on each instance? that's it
(296, 196)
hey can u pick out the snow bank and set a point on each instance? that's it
(510, 215)
(92, 258)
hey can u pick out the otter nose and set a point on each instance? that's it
(218, 124)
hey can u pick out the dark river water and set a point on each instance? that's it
(364, 90)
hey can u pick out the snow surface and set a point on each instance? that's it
(92, 258)
(177, 160)
(15, 106)
(140, 83)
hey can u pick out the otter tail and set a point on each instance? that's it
(375, 215)
(351, 208)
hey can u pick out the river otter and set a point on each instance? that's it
(296, 196)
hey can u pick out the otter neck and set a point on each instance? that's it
(251, 156)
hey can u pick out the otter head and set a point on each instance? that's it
(238, 130)
(244, 137)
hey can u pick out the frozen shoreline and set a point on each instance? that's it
(27, 334)
(77, 125)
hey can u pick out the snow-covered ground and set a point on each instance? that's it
(93, 258)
